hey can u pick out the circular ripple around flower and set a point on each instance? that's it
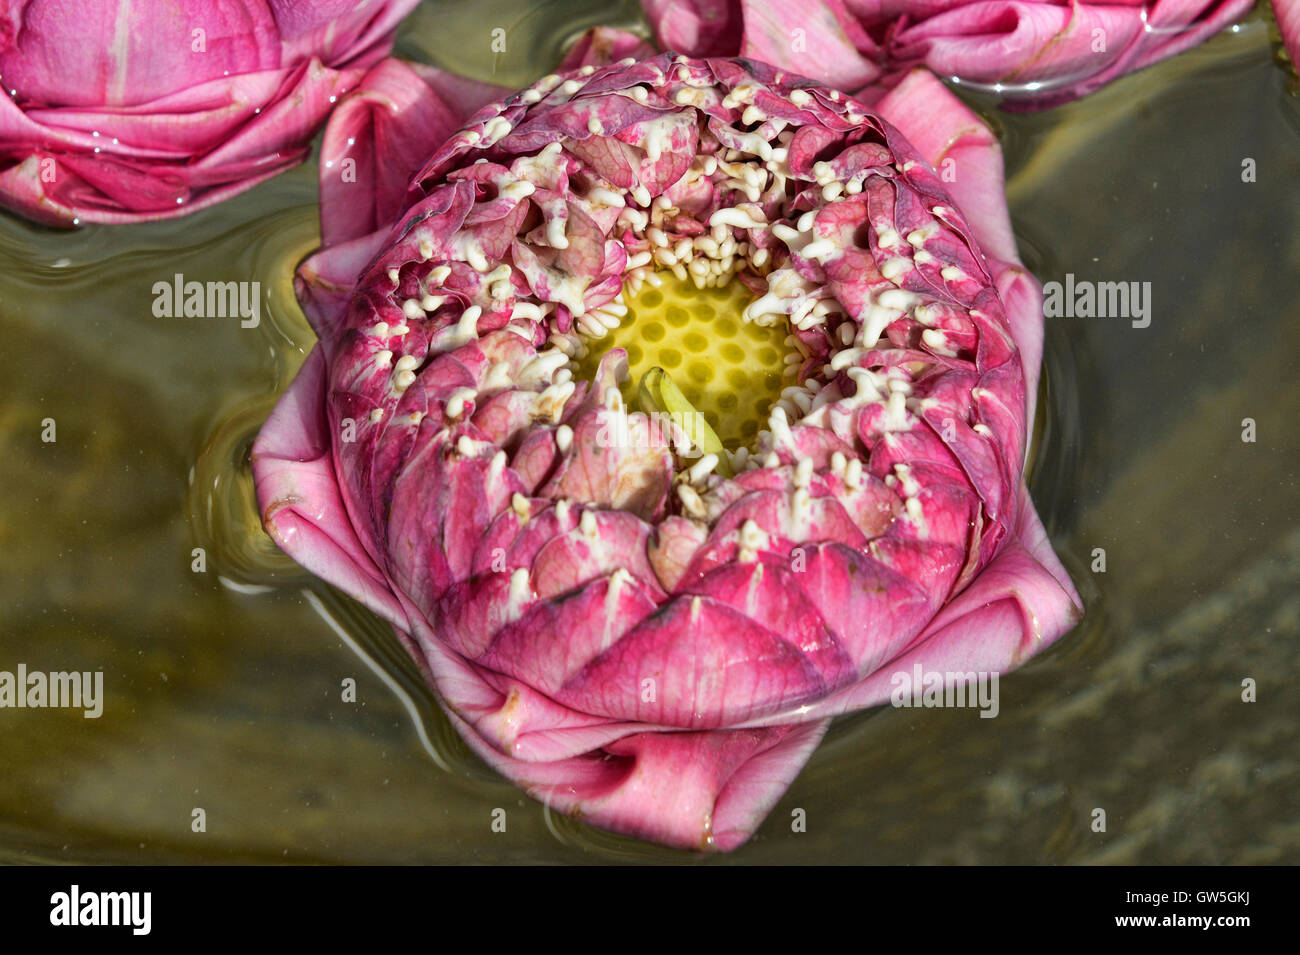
(583, 554)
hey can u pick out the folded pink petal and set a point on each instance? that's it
(380, 135)
(346, 33)
(302, 508)
(118, 53)
(685, 790)
(376, 139)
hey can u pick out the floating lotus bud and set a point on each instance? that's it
(121, 112)
(684, 405)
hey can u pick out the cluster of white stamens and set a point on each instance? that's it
(751, 168)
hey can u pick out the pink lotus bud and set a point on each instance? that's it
(1035, 53)
(119, 112)
(638, 622)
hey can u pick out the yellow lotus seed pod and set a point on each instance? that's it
(730, 370)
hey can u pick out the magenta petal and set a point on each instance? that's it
(502, 717)
(62, 54)
(299, 108)
(246, 129)
(872, 608)
(696, 27)
(179, 125)
(353, 35)
(601, 46)
(379, 136)
(990, 42)
(556, 639)
(1018, 605)
(1036, 53)
(814, 40)
(699, 790)
(705, 790)
(822, 41)
(696, 663)
(776, 595)
(299, 496)
(616, 540)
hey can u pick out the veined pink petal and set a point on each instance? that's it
(119, 53)
(507, 717)
(25, 188)
(1020, 42)
(1048, 52)
(346, 33)
(239, 145)
(1178, 25)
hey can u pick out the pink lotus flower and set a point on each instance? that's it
(120, 112)
(1036, 53)
(649, 640)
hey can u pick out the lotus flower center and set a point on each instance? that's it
(731, 370)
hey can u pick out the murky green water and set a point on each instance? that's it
(223, 688)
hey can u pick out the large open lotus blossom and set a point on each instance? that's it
(121, 112)
(642, 614)
(1035, 53)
